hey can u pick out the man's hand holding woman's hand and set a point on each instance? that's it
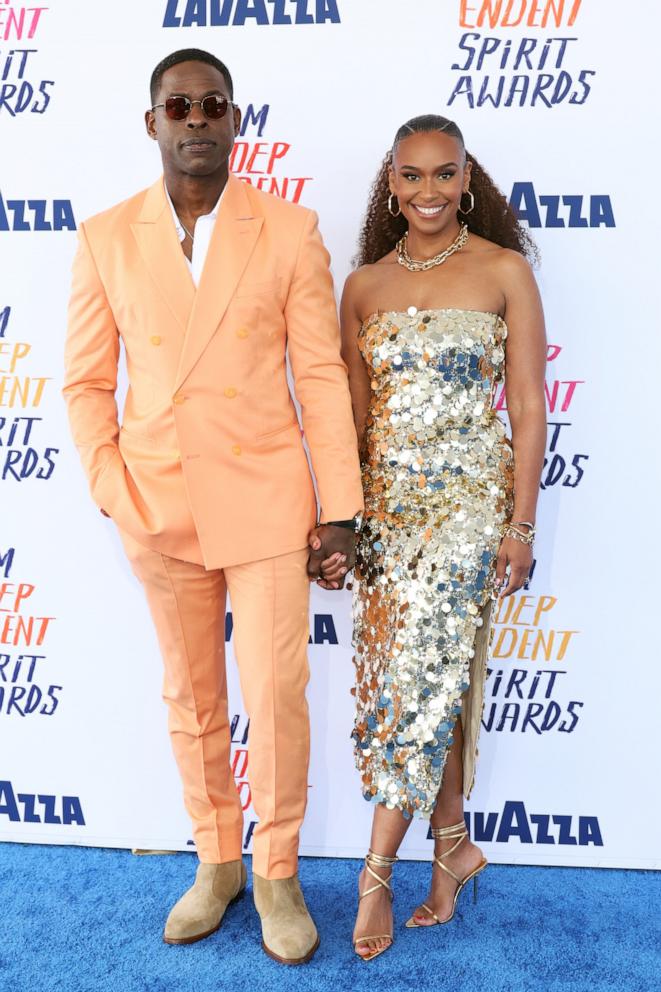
(332, 555)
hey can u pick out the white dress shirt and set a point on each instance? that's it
(203, 231)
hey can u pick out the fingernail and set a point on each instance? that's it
(343, 571)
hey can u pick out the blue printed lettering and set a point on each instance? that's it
(8, 805)
(526, 205)
(250, 8)
(13, 215)
(552, 203)
(484, 827)
(589, 832)
(279, 16)
(541, 821)
(72, 811)
(575, 204)
(48, 802)
(564, 822)
(71, 808)
(221, 13)
(601, 212)
(514, 823)
(324, 629)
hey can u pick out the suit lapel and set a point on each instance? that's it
(161, 252)
(233, 240)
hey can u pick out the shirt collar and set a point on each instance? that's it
(181, 234)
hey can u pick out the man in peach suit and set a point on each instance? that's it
(208, 283)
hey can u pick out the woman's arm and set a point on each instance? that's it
(359, 380)
(525, 367)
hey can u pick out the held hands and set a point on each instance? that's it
(518, 557)
(332, 555)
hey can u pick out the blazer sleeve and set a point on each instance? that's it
(90, 377)
(320, 378)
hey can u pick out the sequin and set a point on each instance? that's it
(438, 476)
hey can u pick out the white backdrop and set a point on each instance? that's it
(570, 746)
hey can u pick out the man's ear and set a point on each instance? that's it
(150, 124)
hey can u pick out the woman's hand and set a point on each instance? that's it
(333, 569)
(518, 556)
(333, 572)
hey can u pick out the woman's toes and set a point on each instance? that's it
(422, 918)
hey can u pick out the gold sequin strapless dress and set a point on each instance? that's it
(438, 479)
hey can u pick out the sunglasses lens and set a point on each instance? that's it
(177, 107)
(214, 107)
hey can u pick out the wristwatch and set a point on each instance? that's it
(355, 524)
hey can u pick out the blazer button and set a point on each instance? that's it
(242, 332)
(155, 340)
(236, 450)
(230, 392)
(179, 398)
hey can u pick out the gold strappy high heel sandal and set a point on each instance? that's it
(457, 833)
(376, 861)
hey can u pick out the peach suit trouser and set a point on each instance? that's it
(269, 601)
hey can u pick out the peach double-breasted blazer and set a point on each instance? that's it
(209, 463)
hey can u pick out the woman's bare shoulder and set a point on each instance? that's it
(508, 265)
(495, 254)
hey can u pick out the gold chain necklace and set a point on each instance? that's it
(412, 265)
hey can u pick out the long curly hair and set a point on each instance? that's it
(492, 217)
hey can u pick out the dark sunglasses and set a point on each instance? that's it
(179, 107)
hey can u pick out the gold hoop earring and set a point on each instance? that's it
(468, 192)
(390, 209)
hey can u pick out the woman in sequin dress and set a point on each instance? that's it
(429, 328)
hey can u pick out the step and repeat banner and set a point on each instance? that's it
(553, 100)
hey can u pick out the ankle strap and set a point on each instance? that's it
(379, 860)
(453, 832)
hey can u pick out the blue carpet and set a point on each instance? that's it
(89, 920)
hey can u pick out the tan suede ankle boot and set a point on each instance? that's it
(200, 911)
(288, 931)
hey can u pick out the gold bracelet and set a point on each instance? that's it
(518, 535)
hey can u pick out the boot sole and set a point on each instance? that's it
(294, 961)
(200, 936)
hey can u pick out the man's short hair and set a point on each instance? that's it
(188, 55)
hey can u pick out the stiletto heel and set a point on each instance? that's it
(378, 861)
(457, 833)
